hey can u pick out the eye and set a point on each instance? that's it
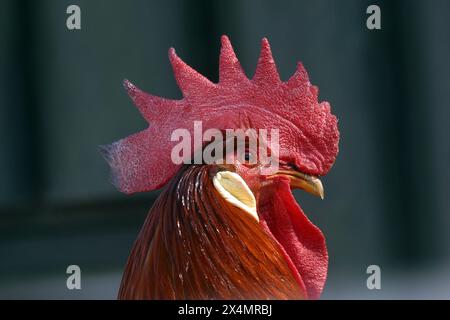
(249, 158)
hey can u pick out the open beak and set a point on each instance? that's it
(300, 180)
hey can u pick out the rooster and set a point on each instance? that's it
(226, 231)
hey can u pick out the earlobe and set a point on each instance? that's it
(235, 191)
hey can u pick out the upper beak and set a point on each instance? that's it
(304, 181)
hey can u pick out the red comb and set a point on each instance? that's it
(308, 131)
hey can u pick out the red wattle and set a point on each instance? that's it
(301, 241)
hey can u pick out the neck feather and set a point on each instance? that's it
(194, 245)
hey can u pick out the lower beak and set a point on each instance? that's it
(300, 180)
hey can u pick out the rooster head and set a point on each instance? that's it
(307, 148)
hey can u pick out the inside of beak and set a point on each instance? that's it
(300, 180)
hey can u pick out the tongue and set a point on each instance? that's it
(302, 242)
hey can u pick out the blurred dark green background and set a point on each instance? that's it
(387, 197)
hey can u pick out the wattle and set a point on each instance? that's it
(302, 243)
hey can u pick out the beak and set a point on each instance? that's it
(300, 180)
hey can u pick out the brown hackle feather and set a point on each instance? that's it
(195, 245)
